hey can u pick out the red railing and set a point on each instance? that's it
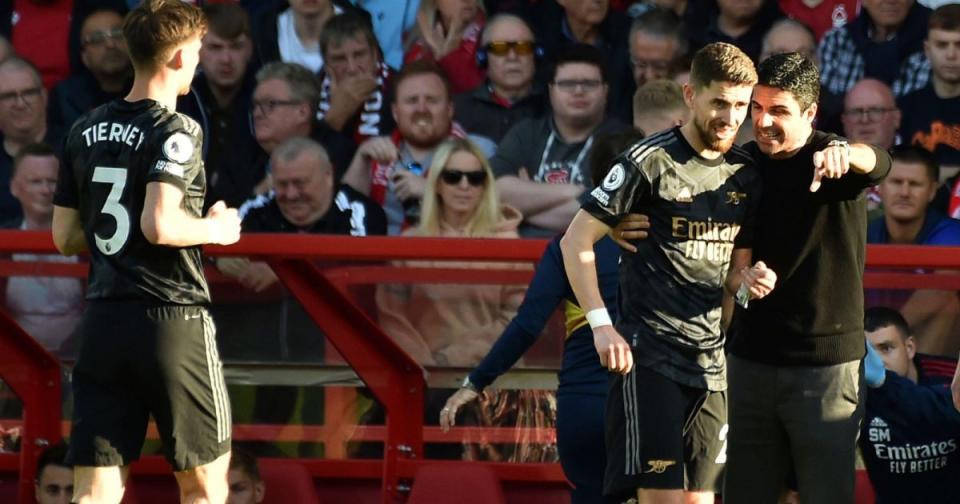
(394, 378)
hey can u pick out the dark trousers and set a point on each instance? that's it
(792, 418)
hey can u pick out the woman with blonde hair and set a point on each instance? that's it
(454, 324)
(449, 32)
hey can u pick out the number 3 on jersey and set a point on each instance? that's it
(117, 178)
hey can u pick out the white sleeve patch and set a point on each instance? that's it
(178, 147)
(168, 167)
(614, 178)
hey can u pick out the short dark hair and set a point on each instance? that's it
(347, 26)
(33, 149)
(580, 53)
(227, 21)
(878, 317)
(662, 23)
(794, 73)
(721, 62)
(53, 455)
(155, 27)
(914, 154)
(417, 68)
(606, 149)
(946, 17)
(244, 461)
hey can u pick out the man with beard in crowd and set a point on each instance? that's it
(390, 169)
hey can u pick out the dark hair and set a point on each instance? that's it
(946, 17)
(244, 461)
(580, 53)
(417, 68)
(606, 149)
(347, 26)
(878, 317)
(227, 21)
(721, 62)
(914, 154)
(33, 149)
(663, 23)
(52, 455)
(794, 73)
(156, 27)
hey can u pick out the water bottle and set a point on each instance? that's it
(411, 206)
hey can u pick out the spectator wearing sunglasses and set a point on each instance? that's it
(456, 324)
(23, 121)
(508, 94)
(453, 325)
(107, 71)
(390, 169)
(542, 165)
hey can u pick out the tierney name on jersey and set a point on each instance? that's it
(107, 131)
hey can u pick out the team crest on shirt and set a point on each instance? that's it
(659, 466)
(734, 198)
(178, 148)
(614, 178)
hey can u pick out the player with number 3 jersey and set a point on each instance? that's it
(131, 192)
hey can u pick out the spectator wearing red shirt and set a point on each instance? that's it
(821, 15)
(448, 32)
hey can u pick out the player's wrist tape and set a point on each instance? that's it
(213, 231)
(598, 318)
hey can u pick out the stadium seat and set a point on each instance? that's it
(460, 483)
(864, 489)
(287, 482)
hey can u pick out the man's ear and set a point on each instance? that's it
(811, 113)
(911, 345)
(688, 95)
(176, 59)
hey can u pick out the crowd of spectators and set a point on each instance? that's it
(465, 118)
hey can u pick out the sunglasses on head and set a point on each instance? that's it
(453, 177)
(503, 47)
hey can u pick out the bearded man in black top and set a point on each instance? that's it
(796, 383)
(666, 416)
(131, 192)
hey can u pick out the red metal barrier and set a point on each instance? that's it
(396, 380)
